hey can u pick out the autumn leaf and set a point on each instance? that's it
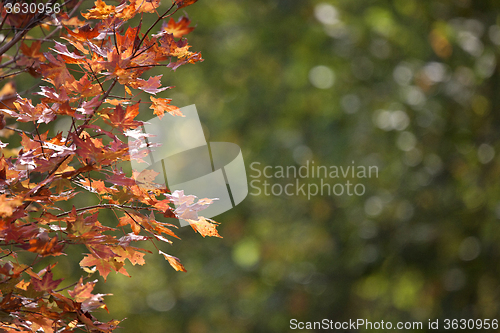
(69, 57)
(131, 237)
(118, 177)
(173, 261)
(8, 95)
(124, 119)
(41, 113)
(46, 283)
(187, 208)
(55, 71)
(179, 28)
(99, 11)
(23, 285)
(103, 266)
(8, 205)
(206, 227)
(151, 86)
(84, 33)
(130, 219)
(131, 253)
(145, 6)
(33, 51)
(44, 245)
(184, 3)
(82, 293)
(162, 105)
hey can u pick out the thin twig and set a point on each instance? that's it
(152, 26)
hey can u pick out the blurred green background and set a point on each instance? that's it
(411, 87)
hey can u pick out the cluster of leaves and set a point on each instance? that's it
(86, 63)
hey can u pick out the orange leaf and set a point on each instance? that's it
(145, 6)
(179, 28)
(33, 51)
(99, 11)
(124, 119)
(174, 262)
(124, 220)
(23, 285)
(44, 245)
(161, 105)
(104, 266)
(131, 253)
(205, 227)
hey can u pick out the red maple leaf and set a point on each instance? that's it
(124, 119)
(46, 283)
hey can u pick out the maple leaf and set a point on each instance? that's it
(84, 33)
(8, 205)
(124, 119)
(146, 178)
(56, 71)
(151, 86)
(69, 57)
(132, 220)
(88, 107)
(52, 96)
(67, 21)
(82, 293)
(131, 237)
(189, 58)
(119, 178)
(187, 209)
(99, 11)
(8, 96)
(23, 285)
(44, 246)
(145, 6)
(206, 227)
(33, 51)
(103, 266)
(179, 28)
(46, 283)
(131, 253)
(27, 112)
(125, 11)
(173, 261)
(84, 87)
(162, 105)
(128, 42)
(184, 3)
(101, 251)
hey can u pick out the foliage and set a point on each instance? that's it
(88, 60)
(404, 250)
